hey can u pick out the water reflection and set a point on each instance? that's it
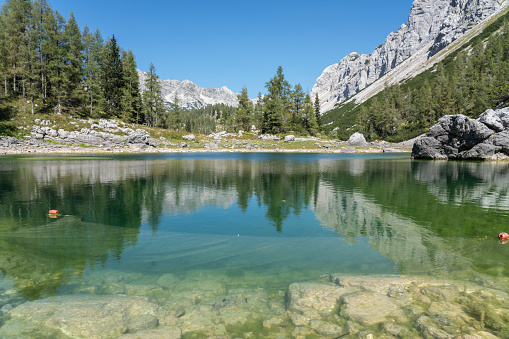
(485, 184)
(422, 217)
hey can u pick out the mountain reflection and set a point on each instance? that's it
(409, 211)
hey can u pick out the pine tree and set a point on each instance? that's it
(317, 113)
(297, 103)
(131, 99)
(53, 50)
(258, 115)
(39, 70)
(176, 113)
(310, 123)
(244, 111)
(152, 99)
(93, 44)
(16, 24)
(73, 64)
(275, 103)
(113, 78)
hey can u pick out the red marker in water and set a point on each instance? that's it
(503, 235)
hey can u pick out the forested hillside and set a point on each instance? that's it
(48, 65)
(469, 81)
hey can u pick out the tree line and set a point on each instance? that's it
(49, 65)
(468, 82)
(281, 110)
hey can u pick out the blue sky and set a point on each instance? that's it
(236, 43)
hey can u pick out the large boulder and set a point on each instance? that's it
(462, 138)
(138, 137)
(357, 139)
(290, 138)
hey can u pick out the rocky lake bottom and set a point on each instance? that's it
(231, 304)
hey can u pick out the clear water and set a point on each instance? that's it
(246, 220)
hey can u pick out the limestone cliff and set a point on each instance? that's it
(432, 25)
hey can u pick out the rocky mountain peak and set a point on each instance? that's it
(190, 95)
(432, 25)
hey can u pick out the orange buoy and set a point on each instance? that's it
(503, 235)
(53, 212)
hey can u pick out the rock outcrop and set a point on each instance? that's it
(459, 137)
(432, 25)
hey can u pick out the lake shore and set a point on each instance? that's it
(8, 146)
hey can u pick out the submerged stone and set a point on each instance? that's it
(325, 328)
(312, 296)
(370, 308)
(166, 332)
(87, 316)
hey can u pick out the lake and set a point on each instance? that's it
(252, 245)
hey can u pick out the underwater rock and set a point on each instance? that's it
(164, 332)
(313, 296)
(325, 328)
(370, 308)
(168, 281)
(88, 316)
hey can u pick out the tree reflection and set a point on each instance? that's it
(399, 205)
(106, 202)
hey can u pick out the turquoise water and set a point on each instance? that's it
(247, 220)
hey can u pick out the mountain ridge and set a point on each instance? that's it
(190, 95)
(432, 25)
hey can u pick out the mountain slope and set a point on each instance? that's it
(190, 95)
(432, 25)
(421, 61)
(467, 77)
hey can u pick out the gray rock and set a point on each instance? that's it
(459, 137)
(380, 307)
(138, 136)
(357, 139)
(311, 296)
(88, 139)
(163, 332)
(268, 137)
(289, 138)
(117, 139)
(89, 316)
(189, 137)
(63, 134)
(492, 120)
(217, 135)
(138, 146)
(153, 142)
(325, 328)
